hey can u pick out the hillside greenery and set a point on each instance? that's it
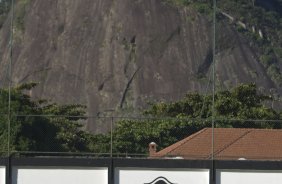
(259, 18)
(263, 21)
(19, 12)
(5, 6)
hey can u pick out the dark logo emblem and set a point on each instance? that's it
(160, 180)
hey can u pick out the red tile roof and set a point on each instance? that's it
(229, 143)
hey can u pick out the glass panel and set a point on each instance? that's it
(140, 78)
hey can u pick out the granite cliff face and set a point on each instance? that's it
(120, 54)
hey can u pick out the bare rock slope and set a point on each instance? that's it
(120, 54)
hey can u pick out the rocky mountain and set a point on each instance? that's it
(115, 56)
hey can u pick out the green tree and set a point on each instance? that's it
(174, 121)
(59, 131)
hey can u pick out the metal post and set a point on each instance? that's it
(213, 70)
(9, 167)
(10, 74)
(213, 88)
(112, 121)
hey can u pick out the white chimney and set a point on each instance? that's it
(152, 149)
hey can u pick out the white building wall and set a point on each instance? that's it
(2, 175)
(248, 177)
(179, 176)
(59, 175)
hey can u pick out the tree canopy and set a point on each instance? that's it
(58, 131)
(173, 121)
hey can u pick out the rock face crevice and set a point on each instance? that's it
(120, 54)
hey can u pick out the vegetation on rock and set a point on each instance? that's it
(4, 10)
(259, 21)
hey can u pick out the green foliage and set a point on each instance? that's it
(174, 121)
(20, 12)
(203, 8)
(4, 10)
(32, 132)
(268, 21)
(228, 104)
(134, 136)
(267, 60)
(261, 18)
(4, 6)
(178, 2)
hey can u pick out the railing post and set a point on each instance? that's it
(112, 121)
